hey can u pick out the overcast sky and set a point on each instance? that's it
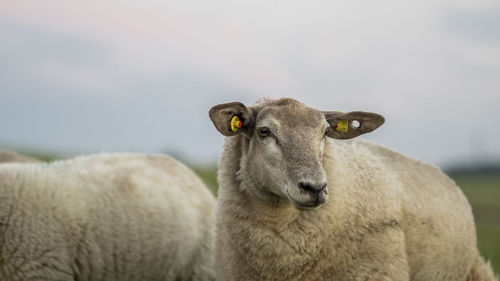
(140, 76)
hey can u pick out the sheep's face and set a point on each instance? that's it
(283, 145)
(285, 152)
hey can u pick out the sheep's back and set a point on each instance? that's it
(114, 216)
(437, 218)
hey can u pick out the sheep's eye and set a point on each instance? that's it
(264, 132)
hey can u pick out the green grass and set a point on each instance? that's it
(209, 176)
(483, 192)
(40, 155)
(489, 243)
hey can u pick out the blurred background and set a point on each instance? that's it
(79, 77)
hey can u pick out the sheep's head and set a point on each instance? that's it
(282, 152)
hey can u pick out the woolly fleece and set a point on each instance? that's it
(105, 217)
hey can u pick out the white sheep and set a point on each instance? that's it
(110, 217)
(7, 156)
(388, 217)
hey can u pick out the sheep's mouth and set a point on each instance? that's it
(302, 206)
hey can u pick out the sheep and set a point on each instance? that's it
(294, 204)
(10, 156)
(112, 217)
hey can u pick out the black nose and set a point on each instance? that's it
(313, 189)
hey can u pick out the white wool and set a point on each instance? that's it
(105, 217)
(389, 217)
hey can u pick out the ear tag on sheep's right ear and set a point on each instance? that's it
(236, 124)
(342, 126)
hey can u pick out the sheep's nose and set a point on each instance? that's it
(313, 189)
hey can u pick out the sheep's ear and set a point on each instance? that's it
(231, 118)
(352, 124)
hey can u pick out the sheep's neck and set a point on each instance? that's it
(278, 238)
(279, 241)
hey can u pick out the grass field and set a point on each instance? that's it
(483, 192)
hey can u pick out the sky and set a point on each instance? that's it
(79, 77)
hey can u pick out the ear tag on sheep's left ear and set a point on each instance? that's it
(236, 124)
(342, 126)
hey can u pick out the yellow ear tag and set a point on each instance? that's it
(236, 124)
(342, 126)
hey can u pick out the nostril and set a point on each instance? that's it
(306, 187)
(311, 188)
